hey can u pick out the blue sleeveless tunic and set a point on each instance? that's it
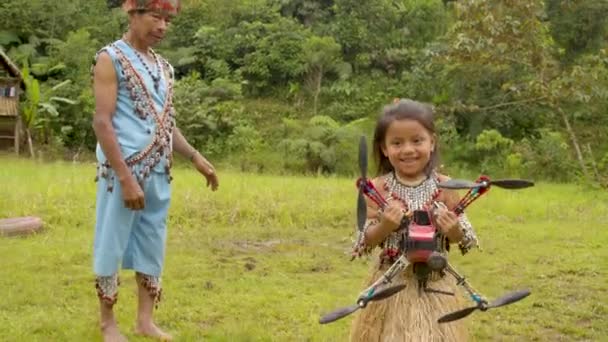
(144, 116)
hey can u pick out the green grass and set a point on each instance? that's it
(262, 258)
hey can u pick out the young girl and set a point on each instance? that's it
(405, 147)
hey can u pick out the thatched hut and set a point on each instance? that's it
(11, 86)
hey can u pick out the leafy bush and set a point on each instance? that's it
(493, 150)
(547, 157)
(208, 113)
(319, 145)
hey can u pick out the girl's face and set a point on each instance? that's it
(408, 146)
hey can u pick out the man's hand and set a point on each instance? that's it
(132, 193)
(206, 169)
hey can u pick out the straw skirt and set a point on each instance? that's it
(410, 315)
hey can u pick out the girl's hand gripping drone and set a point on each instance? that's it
(422, 244)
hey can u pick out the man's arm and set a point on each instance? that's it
(182, 147)
(105, 89)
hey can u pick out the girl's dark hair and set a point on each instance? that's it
(404, 109)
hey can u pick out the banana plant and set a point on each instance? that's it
(40, 106)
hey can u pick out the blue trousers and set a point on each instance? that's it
(134, 237)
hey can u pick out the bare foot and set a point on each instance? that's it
(151, 330)
(111, 333)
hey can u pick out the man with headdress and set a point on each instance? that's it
(134, 123)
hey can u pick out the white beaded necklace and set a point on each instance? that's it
(414, 197)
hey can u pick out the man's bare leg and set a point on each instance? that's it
(107, 292)
(146, 302)
(109, 327)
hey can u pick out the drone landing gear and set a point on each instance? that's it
(461, 281)
(423, 272)
(371, 293)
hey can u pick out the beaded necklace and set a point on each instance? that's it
(417, 197)
(155, 78)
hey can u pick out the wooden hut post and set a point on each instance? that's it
(11, 84)
(17, 134)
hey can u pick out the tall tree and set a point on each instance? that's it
(578, 26)
(508, 38)
(320, 55)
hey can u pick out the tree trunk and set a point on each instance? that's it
(593, 164)
(318, 80)
(577, 149)
(17, 135)
(29, 142)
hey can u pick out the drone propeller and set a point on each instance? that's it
(501, 183)
(361, 211)
(336, 315)
(343, 312)
(363, 157)
(457, 314)
(509, 298)
(512, 183)
(385, 293)
(459, 184)
(504, 300)
(361, 205)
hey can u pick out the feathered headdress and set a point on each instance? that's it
(167, 6)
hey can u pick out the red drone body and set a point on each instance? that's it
(423, 242)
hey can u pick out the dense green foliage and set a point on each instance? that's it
(520, 86)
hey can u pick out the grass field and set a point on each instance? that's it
(262, 258)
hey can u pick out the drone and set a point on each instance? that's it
(423, 246)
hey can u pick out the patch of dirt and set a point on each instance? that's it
(518, 219)
(549, 334)
(250, 263)
(321, 267)
(209, 322)
(258, 246)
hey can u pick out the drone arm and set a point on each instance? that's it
(375, 232)
(371, 192)
(369, 205)
(398, 266)
(460, 280)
